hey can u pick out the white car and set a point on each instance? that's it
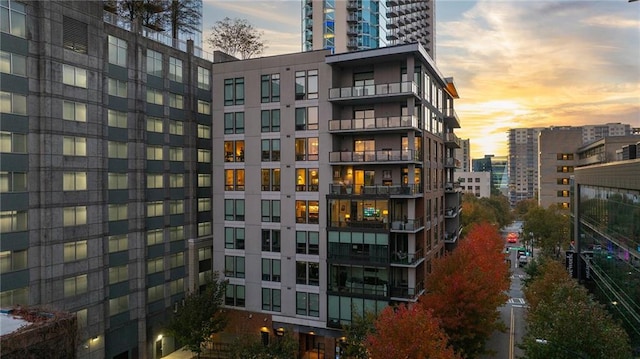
(522, 261)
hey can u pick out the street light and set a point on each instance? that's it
(531, 236)
(546, 342)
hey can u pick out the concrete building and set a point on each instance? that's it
(464, 155)
(350, 25)
(476, 183)
(556, 162)
(497, 167)
(593, 132)
(105, 172)
(340, 193)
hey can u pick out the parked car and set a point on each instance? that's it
(512, 237)
(522, 261)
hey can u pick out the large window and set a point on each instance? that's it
(271, 240)
(204, 78)
(13, 18)
(13, 103)
(306, 149)
(11, 142)
(204, 156)
(307, 212)
(176, 127)
(74, 181)
(74, 216)
(13, 260)
(13, 64)
(117, 118)
(234, 238)
(271, 270)
(306, 118)
(234, 180)
(13, 221)
(234, 295)
(117, 180)
(234, 91)
(233, 122)
(270, 120)
(307, 85)
(270, 210)
(118, 305)
(307, 179)
(204, 204)
(270, 179)
(118, 274)
(13, 182)
(118, 243)
(234, 209)
(176, 206)
(154, 153)
(74, 111)
(270, 88)
(204, 229)
(154, 96)
(270, 150)
(204, 180)
(176, 154)
(154, 124)
(155, 293)
(307, 242)
(176, 101)
(118, 212)
(155, 208)
(204, 131)
(307, 273)
(307, 304)
(75, 146)
(74, 76)
(175, 69)
(74, 251)
(154, 63)
(234, 266)
(117, 51)
(176, 180)
(75, 285)
(234, 151)
(204, 107)
(271, 299)
(176, 260)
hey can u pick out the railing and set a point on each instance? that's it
(451, 212)
(406, 225)
(374, 123)
(452, 162)
(368, 224)
(407, 258)
(451, 137)
(369, 286)
(373, 90)
(371, 253)
(375, 156)
(406, 292)
(382, 190)
(452, 186)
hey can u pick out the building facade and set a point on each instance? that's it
(464, 155)
(351, 25)
(497, 167)
(338, 188)
(105, 167)
(556, 160)
(475, 183)
(523, 164)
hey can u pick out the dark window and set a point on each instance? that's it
(74, 35)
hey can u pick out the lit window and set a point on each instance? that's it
(13, 18)
(176, 127)
(11, 142)
(74, 111)
(118, 305)
(75, 285)
(154, 96)
(117, 51)
(118, 243)
(204, 78)
(13, 182)
(154, 63)
(155, 209)
(204, 107)
(117, 180)
(118, 212)
(154, 153)
(175, 69)
(117, 118)
(204, 131)
(74, 181)
(74, 216)
(75, 76)
(176, 100)
(117, 150)
(13, 64)
(13, 221)
(13, 103)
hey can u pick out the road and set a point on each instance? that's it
(505, 345)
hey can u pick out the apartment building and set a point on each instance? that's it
(497, 167)
(105, 164)
(464, 155)
(556, 160)
(475, 183)
(336, 174)
(523, 164)
(351, 25)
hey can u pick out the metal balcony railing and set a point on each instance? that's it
(407, 258)
(451, 140)
(375, 156)
(381, 190)
(374, 90)
(402, 291)
(374, 123)
(406, 225)
(452, 162)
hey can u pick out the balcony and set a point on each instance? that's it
(387, 92)
(452, 162)
(360, 224)
(452, 187)
(451, 140)
(353, 18)
(341, 189)
(407, 259)
(352, 5)
(452, 237)
(451, 212)
(451, 118)
(376, 157)
(407, 225)
(402, 292)
(358, 252)
(374, 124)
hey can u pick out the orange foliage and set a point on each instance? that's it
(408, 332)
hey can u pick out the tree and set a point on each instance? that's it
(425, 340)
(550, 229)
(249, 346)
(466, 287)
(150, 12)
(524, 206)
(184, 16)
(564, 321)
(236, 37)
(354, 345)
(199, 317)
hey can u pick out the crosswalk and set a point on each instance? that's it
(517, 302)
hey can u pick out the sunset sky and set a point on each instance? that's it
(516, 63)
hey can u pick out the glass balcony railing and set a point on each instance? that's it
(377, 123)
(407, 258)
(403, 291)
(382, 190)
(375, 156)
(452, 162)
(374, 90)
(406, 225)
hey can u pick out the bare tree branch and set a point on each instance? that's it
(236, 37)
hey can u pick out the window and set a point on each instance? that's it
(118, 212)
(563, 181)
(234, 238)
(270, 150)
(307, 212)
(271, 240)
(74, 181)
(270, 270)
(307, 85)
(234, 266)
(270, 120)
(176, 233)
(118, 274)
(176, 154)
(117, 51)
(271, 299)
(118, 305)
(307, 273)
(117, 180)
(307, 179)
(565, 157)
(176, 260)
(307, 242)
(234, 180)
(13, 221)
(74, 36)
(74, 111)
(75, 146)
(204, 78)
(14, 18)
(477, 180)
(204, 229)
(233, 122)
(74, 216)
(13, 182)
(155, 208)
(154, 96)
(75, 285)
(204, 131)
(176, 206)
(155, 265)
(13, 260)
(118, 243)
(234, 209)
(204, 180)
(154, 236)
(270, 179)
(117, 149)
(175, 69)
(176, 101)
(306, 149)
(11, 142)
(74, 76)
(155, 293)
(204, 107)
(306, 118)
(13, 64)
(234, 151)
(204, 156)
(176, 286)
(176, 180)
(176, 127)
(154, 153)
(154, 124)
(270, 88)
(234, 295)
(13, 103)
(307, 304)
(117, 118)
(204, 204)
(563, 193)
(154, 63)
(234, 91)
(155, 180)
(564, 169)
(270, 210)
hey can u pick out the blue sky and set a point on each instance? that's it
(516, 63)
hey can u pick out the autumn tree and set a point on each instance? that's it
(236, 37)
(195, 321)
(564, 321)
(408, 332)
(494, 209)
(549, 227)
(466, 287)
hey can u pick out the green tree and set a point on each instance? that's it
(354, 345)
(564, 321)
(236, 37)
(194, 322)
(550, 229)
(251, 346)
(523, 207)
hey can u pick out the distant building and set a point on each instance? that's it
(476, 183)
(556, 162)
(464, 155)
(497, 166)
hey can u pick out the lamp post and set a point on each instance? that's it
(531, 236)
(546, 342)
